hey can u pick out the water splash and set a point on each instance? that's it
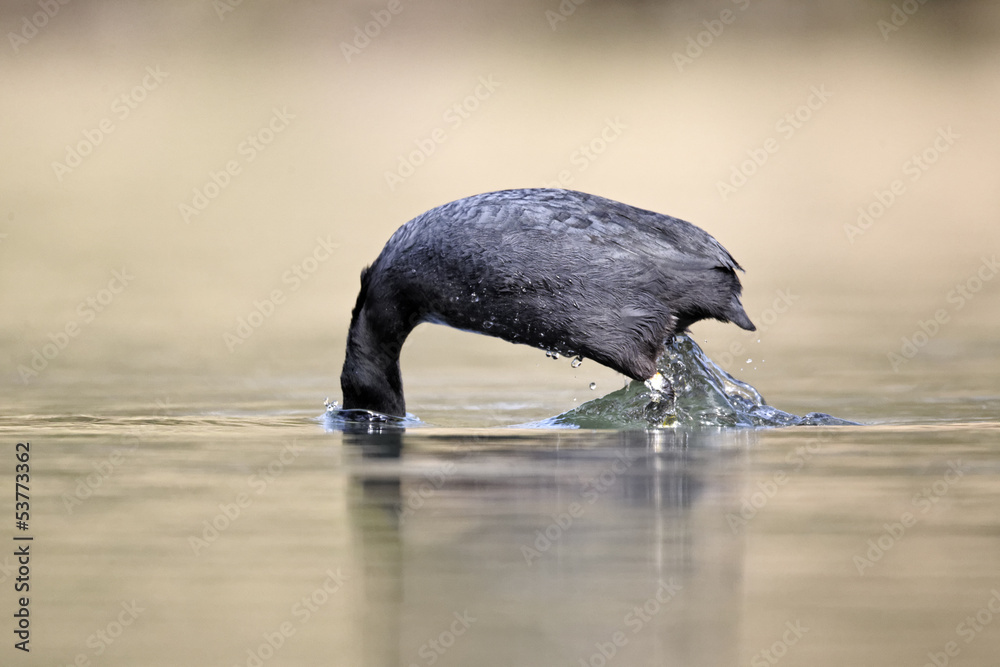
(704, 395)
(689, 391)
(355, 420)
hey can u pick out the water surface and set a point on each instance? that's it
(701, 546)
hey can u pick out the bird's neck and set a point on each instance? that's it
(371, 379)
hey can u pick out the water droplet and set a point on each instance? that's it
(749, 360)
(593, 386)
(475, 298)
(576, 362)
(488, 324)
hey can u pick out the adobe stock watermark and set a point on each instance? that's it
(121, 108)
(591, 492)
(587, 153)
(563, 11)
(431, 483)
(31, 25)
(786, 127)
(752, 503)
(8, 568)
(84, 486)
(302, 611)
(635, 620)
(247, 151)
(913, 168)
(364, 34)
(698, 43)
(783, 301)
(898, 17)
(794, 632)
(892, 532)
(756, 500)
(223, 7)
(957, 298)
(454, 117)
(294, 277)
(229, 513)
(104, 637)
(432, 650)
(87, 311)
(969, 629)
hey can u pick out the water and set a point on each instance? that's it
(190, 502)
(691, 391)
(691, 543)
(685, 545)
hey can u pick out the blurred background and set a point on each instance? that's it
(844, 152)
(190, 190)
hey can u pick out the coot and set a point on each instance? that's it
(567, 272)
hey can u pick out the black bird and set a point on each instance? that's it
(564, 271)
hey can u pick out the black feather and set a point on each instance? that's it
(556, 269)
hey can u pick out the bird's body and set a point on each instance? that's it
(564, 271)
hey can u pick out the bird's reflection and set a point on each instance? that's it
(545, 539)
